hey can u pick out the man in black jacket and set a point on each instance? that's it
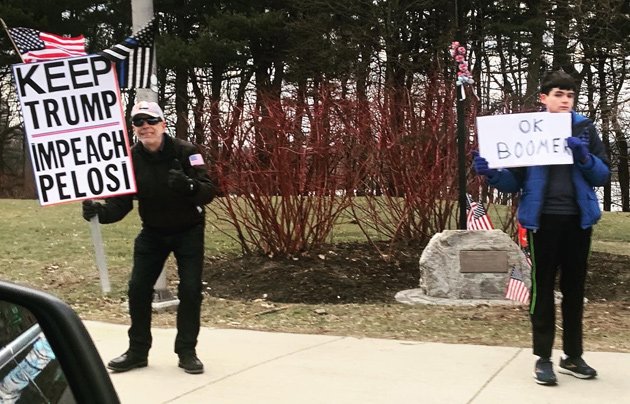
(172, 188)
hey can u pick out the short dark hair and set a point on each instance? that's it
(557, 79)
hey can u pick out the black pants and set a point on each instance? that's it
(150, 252)
(562, 244)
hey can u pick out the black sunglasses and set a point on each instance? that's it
(138, 122)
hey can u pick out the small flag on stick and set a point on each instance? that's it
(476, 216)
(134, 57)
(35, 46)
(516, 289)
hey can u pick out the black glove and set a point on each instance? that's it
(480, 165)
(179, 182)
(91, 209)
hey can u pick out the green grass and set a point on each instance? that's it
(34, 238)
(612, 233)
(50, 248)
(37, 243)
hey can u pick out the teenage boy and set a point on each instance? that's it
(558, 207)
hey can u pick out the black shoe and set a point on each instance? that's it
(543, 372)
(190, 363)
(127, 361)
(576, 367)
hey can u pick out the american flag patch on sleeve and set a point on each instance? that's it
(196, 160)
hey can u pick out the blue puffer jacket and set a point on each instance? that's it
(532, 181)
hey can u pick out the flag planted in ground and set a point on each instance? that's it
(516, 289)
(134, 58)
(476, 216)
(35, 45)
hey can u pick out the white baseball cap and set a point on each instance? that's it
(149, 108)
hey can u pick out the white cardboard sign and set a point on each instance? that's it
(529, 139)
(75, 129)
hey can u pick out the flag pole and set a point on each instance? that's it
(461, 130)
(6, 29)
(141, 14)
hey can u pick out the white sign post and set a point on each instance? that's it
(76, 133)
(99, 252)
(519, 140)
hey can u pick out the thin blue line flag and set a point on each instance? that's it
(134, 57)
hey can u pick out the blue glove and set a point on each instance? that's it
(480, 165)
(579, 148)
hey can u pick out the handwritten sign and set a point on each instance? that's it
(519, 140)
(75, 129)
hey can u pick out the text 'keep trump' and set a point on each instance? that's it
(70, 76)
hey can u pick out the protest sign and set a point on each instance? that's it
(76, 132)
(519, 140)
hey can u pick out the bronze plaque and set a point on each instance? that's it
(483, 261)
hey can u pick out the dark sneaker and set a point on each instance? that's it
(190, 363)
(576, 367)
(127, 361)
(543, 372)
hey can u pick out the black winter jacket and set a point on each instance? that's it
(161, 208)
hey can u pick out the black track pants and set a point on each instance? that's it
(559, 244)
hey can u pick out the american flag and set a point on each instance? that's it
(477, 218)
(134, 58)
(35, 45)
(516, 289)
(196, 160)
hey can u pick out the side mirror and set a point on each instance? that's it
(46, 354)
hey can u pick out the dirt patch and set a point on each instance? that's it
(343, 273)
(608, 277)
(356, 273)
(348, 290)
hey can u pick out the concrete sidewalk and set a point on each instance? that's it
(261, 367)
